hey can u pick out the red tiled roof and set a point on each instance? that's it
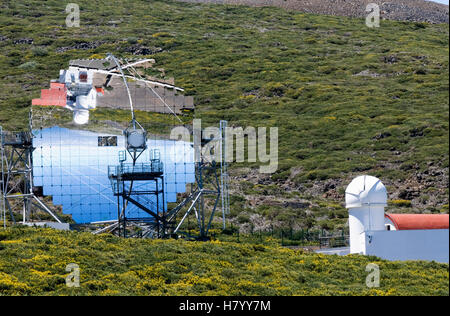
(419, 221)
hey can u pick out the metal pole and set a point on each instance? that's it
(163, 202)
(126, 84)
(224, 171)
(157, 209)
(188, 211)
(118, 203)
(153, 90)
(29, 181)
(47, 209)
(2, 182)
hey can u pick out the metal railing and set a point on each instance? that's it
(155, 166)
(15, 138)
(334, 241)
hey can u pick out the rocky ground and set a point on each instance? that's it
(402, 10)
(423, 192)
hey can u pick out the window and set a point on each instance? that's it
(83, 76)
(106, 141)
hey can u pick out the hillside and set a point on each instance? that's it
(347, 99)
(401, 10)
(33, 262)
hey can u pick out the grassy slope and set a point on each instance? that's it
(33, 262)
(399, 10)
(264, 67)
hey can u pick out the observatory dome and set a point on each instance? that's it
(365, 190)
(81, 117)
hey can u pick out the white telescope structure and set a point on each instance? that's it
(365, 198)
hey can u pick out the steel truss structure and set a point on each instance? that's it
(211, 183)
(16, 178)
(130, 181)
(125, 180)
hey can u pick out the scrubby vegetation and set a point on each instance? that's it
(402, 10)
(33, 262)
(347, 99)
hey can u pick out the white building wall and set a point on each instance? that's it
(424, 244)
(389, 225)
(71, 75)
(55, 225)
(361, 219)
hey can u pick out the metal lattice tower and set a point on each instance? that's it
(211, 182)
(2, 183)
(125, 179)
(17, 177)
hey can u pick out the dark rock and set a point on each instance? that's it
(420, 57)
(390, 59)
(296, 204)
(331, 185)
(82, 46)
(408, 194)
(138, 49)
(416, 132)
(382, 135)
(28, 41)
(265, 181)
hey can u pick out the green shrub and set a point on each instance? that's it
(39, 51)
(29, 65)
(400, 203)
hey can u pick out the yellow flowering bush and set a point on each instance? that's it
(33, 261)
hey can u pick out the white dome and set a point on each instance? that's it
(365, 190)
(81, 117)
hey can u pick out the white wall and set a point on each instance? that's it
(65, 76)
(55, 225)
(87, 101)
(362, 219)
(424, 244)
